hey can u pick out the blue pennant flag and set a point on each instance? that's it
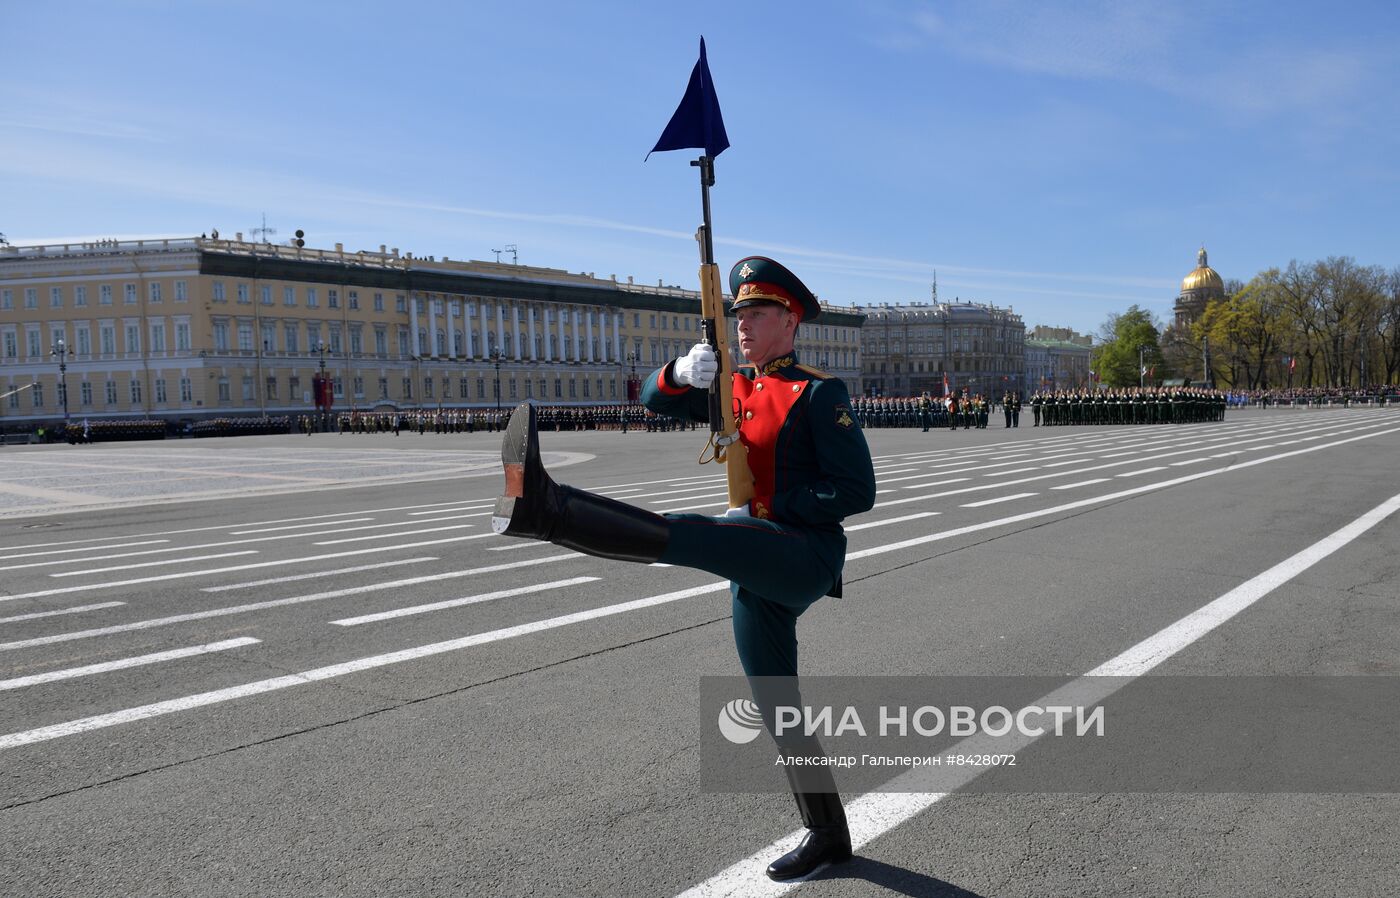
(697, 122)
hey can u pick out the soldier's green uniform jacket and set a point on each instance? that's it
(810, 462)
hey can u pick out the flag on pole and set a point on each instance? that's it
(1292, 363)
(697, 122)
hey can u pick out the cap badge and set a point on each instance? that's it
(746, 271)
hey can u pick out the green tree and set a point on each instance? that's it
(1122, 336)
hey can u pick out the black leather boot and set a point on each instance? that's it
(828, 840)
(536, 507)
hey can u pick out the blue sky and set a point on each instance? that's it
(1065, 159)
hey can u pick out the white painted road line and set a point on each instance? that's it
(315, 574)
(899, 520)
(224, 570)
(998, 499)
(1143, 471)
(274, 603)
(1070, 486)
(74, 610)
(144, 712)
(144, 542)
(876, 813)
(165, 561)
(458, 603)
(124, 663)
(360, 539)
(1189, 461)
(300, 526)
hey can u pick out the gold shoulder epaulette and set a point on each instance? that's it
(816, 372)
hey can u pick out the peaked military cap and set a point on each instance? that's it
(758, 279)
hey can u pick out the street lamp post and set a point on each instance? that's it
(61, 352)
(496, 360)
(321, 391)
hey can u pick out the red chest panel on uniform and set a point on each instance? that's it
(760, 408)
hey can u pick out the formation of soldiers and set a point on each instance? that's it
(108, 431)
(240, 427)
(1146, 405)
(549, 417)
(927, 412)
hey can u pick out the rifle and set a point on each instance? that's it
(724, 444)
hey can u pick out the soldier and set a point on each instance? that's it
(925, 410)
(782, 551)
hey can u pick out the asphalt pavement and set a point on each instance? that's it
(305, 666)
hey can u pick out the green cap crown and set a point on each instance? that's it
(759, 279)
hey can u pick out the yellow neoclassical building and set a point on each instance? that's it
(199, 327)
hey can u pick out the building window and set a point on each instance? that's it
(243, 294)
(383, 388)
(354, 299)
(7, 299)
(245, 339)
(428, 388)
(31, 297)
(157, 337)
(408, 388)
(85, 391)
(220, 336)
(80, 296)
(293, 387)
(108, 335)
(55, 297)
(186, 390)
(111, 392)
(381, 342)
(289, 338)
(218, 291)
(160, 390)
(153, 289)
(266, 297)
(270, 390)
(400, 303)
(224, 393)
(311, 297)
(289, 296)
(379, 302)
(333, 299)
(135, 391)
(104, 295)
(247, 388)
(462, 392)
(133, 339)
(182, 291)
(38, 394)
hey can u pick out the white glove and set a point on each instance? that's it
(741, 512)
(697, 368)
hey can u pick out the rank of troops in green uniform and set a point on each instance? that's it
(556, 418)
(958, 410)
(1148, 405)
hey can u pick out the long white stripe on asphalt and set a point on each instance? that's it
(876, 813)
(260, 687)
(224, 570)
(998, 500)
(458, 603)
(274, 603)
(124, 663)
(144, 542)
(899, 520)
(294, 527)
(127, 567)
(1070, 486)
(77, 609)
(314, 574)
(361, 539)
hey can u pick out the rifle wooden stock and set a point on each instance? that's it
(723, 426)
